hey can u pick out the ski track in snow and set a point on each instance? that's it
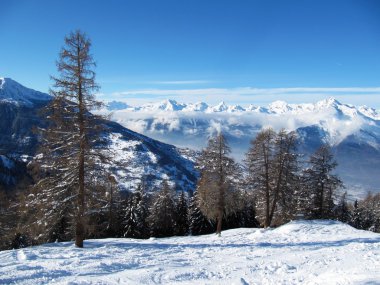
(314, 252)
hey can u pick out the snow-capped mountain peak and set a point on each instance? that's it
(220, 107)
(256, 109)
(12, 91)
(235, 108)
(340, 109)
(279, 107)
(196, 107)
(369, 112)
(166, 105)
(327, 103)
(172, 105)
(330, 105)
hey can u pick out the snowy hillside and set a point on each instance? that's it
(301, 252)
(353, 132)
(135, 156)
(12, 91)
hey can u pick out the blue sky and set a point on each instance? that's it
(195, 49)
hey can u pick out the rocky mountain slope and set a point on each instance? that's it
(139, 156)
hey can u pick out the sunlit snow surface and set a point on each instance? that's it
(316, 252)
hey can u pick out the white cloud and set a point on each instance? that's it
(247, 91)
(181, 82)
(236, 124)
(248, 95)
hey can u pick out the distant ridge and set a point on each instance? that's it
(12, 91)
(135, 156)
(352, 131)
(276, 107)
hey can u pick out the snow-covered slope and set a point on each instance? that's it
(139, 157)
(12, 91)
(354, 132)
(136, 157)
(301, 252)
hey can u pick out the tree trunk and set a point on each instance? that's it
(267, 188)
(276, 193)
(79, 235)
(219, 223)
(110, 212)
(321, 198)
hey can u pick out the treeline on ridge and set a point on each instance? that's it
(271, 188)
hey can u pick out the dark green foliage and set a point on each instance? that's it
(130, 219)
(20, 241)
(161, 219)
(181, 216)
(245, 217)
(199, 224)
(136, 213)
(366, 213)
(341, 211)
(321, 184)
(9, 216)
(59, 230)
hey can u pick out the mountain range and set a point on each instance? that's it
(139, 157)
(352, 131)
(142, 138)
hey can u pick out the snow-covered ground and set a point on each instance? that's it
(313, 252)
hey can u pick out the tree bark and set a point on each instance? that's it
(267, 188)
(79, 235)
(219, 223)
(221, 189)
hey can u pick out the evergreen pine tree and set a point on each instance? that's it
(321, 184)
(161, 217)
(130, 218)
(366, 213)
(248, 212)
(136, 214)
(181, 216)
(199, 224)
(342, 212)
(9, 213)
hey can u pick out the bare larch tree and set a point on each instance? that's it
(217, 195)
(272, 169)
(70, 159)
